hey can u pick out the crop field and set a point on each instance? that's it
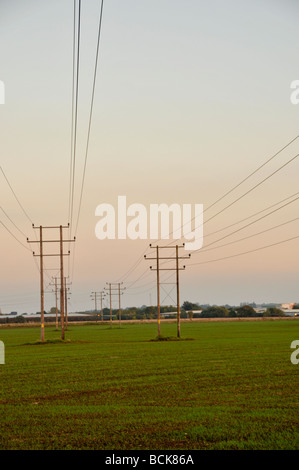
(224, 385)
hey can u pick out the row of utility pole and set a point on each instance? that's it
(114, 288)
(94, 295)
(62, 286)
(66, 298)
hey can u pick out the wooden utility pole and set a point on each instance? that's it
(42, 309)
(61, 284)
(41, 242)
(110, 306)
(158, 290)
(56, 303)
(177, 269)
(94, 297)
(65, 289)
(119, 293)
(65, 301)
(102, 294)
(178, 293)
(119, 314)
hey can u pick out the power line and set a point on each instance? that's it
(144, 274)
(269, 176)
(239, 184)
(245, 252)
(16, 197)
(26, 247)
(250, 216)
(247, 225)
(73, 106)
(253, 173)
(76, 116)
(91, 111)
(36, 264)
(5, 213)
(244, 194)
(23, 210)
(134, 266)
(251, 236)
(254, 187)
(89, 127)
(236, 186)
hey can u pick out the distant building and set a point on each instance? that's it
(288, 306)
(14, 313)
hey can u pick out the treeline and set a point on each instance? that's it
(188, 310)
(239, 312)
(22, 319)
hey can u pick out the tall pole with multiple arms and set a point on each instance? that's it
(157, 258)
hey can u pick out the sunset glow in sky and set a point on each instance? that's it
(191, 97)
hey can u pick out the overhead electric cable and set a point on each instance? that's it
(244, 252)
(250, 216)
(245, 179)
(76, 116)
(73, 107)
(16, 197)
(250, 236)
(26, 247)
(247, 225)
(91, 111)
(4, 212)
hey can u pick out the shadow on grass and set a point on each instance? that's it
(170, 338)
(51, 341)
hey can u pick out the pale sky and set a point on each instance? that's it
(191, 97)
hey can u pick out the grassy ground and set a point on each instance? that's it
(232, 387)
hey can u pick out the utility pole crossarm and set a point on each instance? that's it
(51, 241)
(158, 258)
(63, 283)
(119, 293)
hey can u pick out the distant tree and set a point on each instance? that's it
(232, 312)
(134, 309)
(150, 311)
(19, 319)
(190, 314)
(274, 312)
(167, 308)
(53, 310)
(246, 311)
(190, 306)
(215, 312)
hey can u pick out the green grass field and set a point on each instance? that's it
(232, 386)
